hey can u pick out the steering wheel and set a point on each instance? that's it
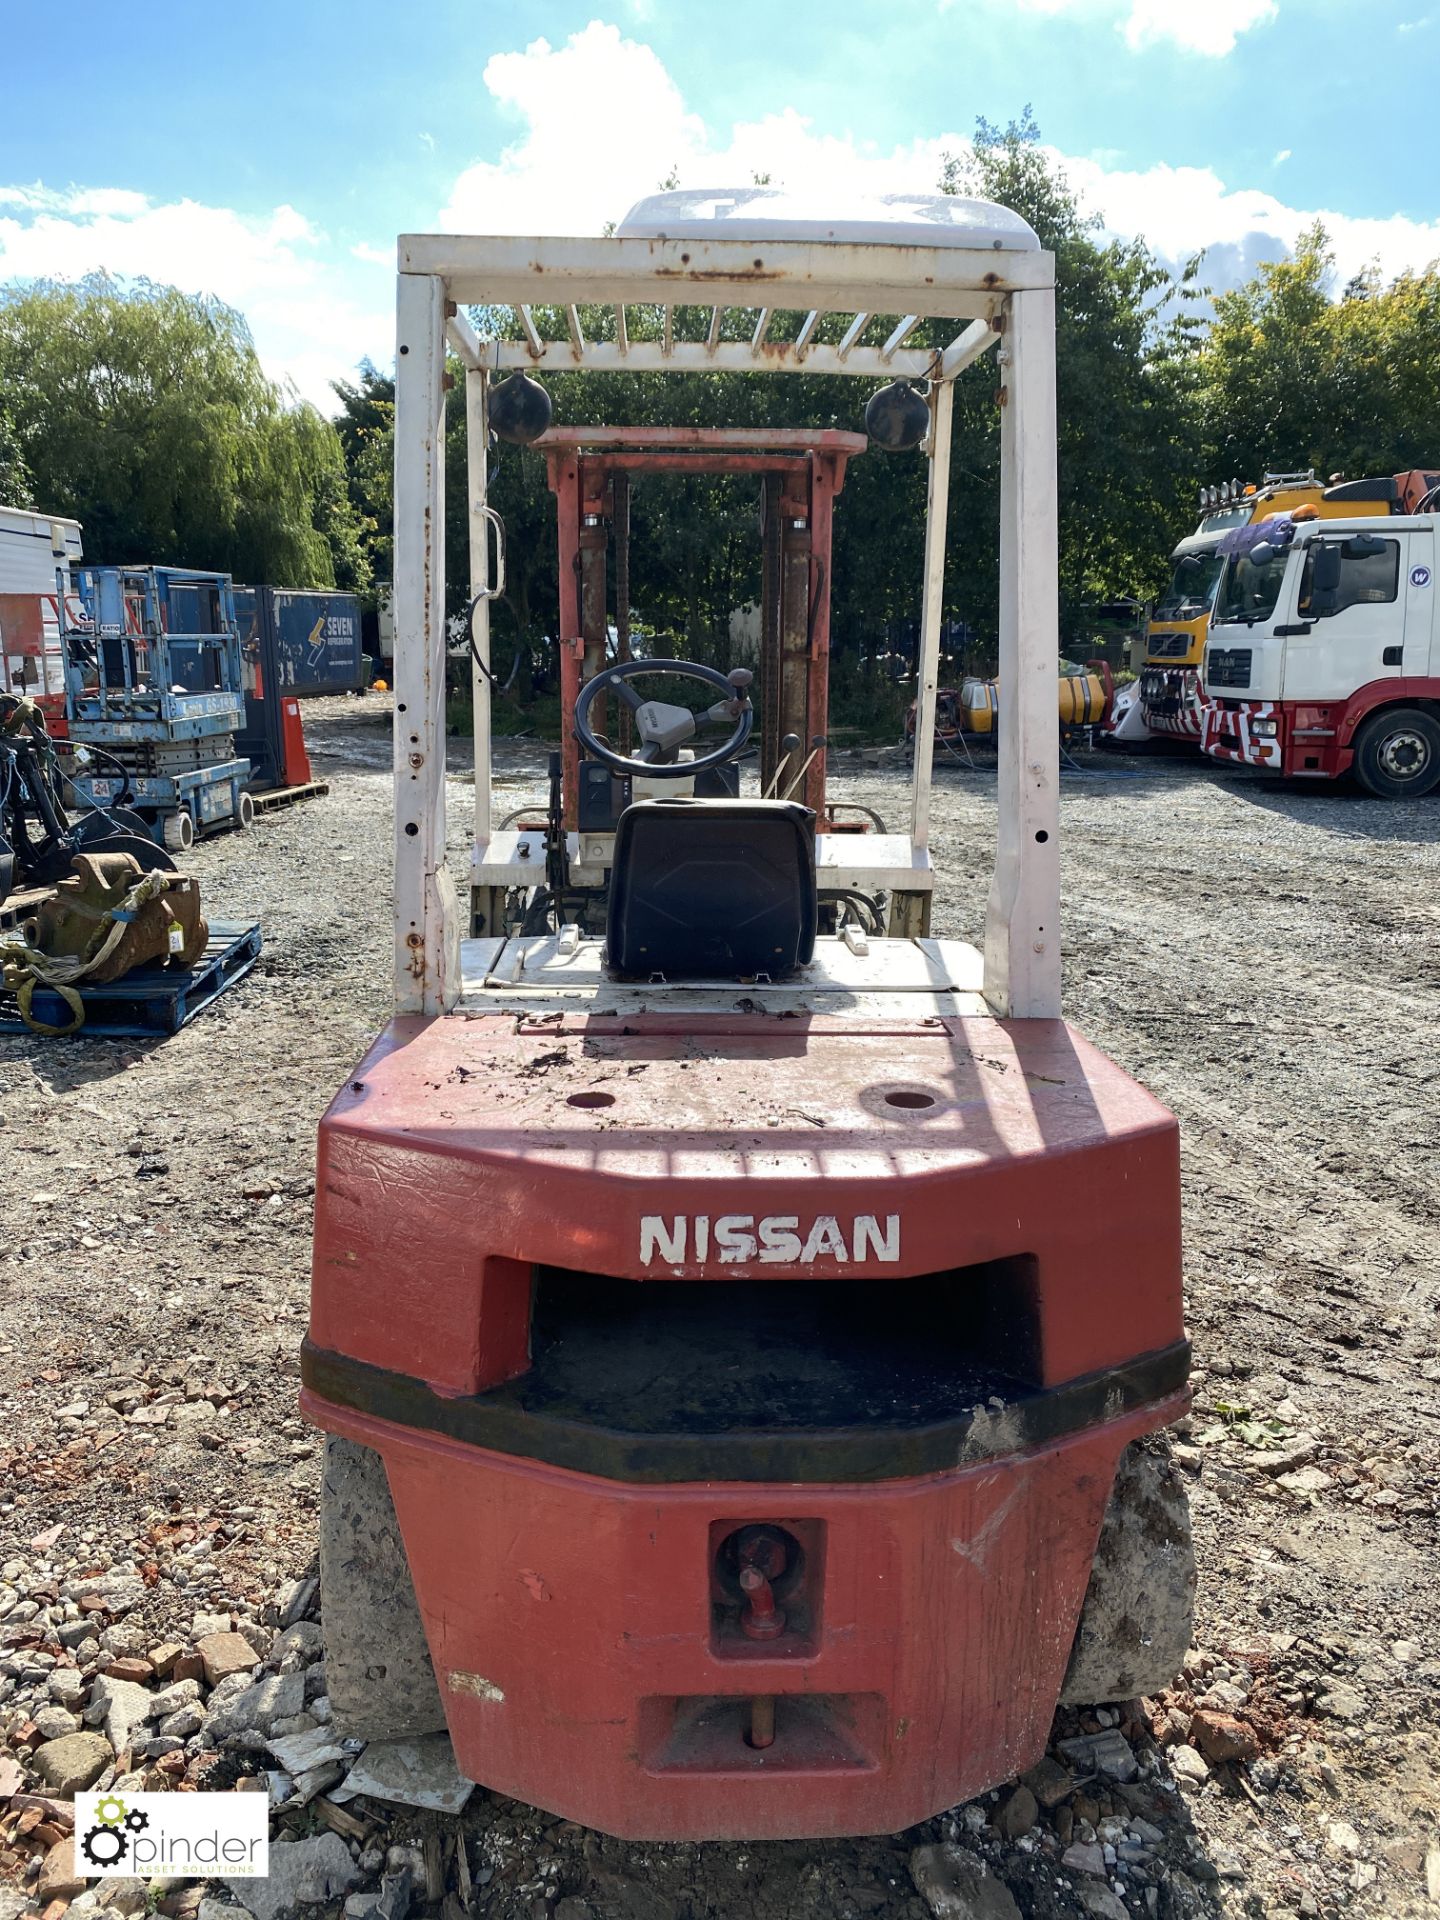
(664, 729)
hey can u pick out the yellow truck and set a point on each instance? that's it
(1165, 702)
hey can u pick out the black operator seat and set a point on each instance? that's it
(706, 887)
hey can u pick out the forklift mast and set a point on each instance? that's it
(924, 258)
(591, 470)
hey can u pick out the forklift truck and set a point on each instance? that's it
(741, 1384)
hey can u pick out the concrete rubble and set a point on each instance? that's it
(414, 1773)
(311, 1873)
(958, 1885)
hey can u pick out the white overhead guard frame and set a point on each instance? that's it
(1002, 286)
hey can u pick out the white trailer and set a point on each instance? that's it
(32, 546)
(35, 550)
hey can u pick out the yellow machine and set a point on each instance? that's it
(1169, 690)
(978, 705)
(1084, 699)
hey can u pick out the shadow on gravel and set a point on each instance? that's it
(1080, 767)
(342, 716)
(67, 1063)
(1340, 808)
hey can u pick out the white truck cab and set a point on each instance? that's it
(1323, 655)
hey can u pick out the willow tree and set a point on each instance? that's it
(144, 413)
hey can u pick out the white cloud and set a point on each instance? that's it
(1413, 26)
(557, 93)
(1281, 157)
(272, 267)
(535, 186)
(69, 233)
(1210, 28)
(1181, 209)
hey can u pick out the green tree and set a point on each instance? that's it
(1290, 378)
(15, 488)
(144, 413)
(1125, 344)
(365, 426)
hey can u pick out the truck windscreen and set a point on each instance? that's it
(1192, 587)
(1248, 592)
(1227, 517)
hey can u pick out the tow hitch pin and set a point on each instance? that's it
(762, 1720)
(762, 1619)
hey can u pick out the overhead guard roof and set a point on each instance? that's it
(777, 213)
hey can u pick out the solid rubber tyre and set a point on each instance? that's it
(245, 813)
(179, 831)
(1136, 1624)
(377, 1662)
(1397, 753)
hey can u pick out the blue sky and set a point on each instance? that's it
(271, 153)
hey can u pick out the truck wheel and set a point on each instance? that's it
(377, 1662)
(1135, 1625)
(1397, 753)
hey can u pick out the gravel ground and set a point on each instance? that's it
(1265, 960)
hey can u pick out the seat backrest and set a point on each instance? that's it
(706, 887)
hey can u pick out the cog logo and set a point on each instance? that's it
(138, 1820)
(105, 1846)
(110, 1810)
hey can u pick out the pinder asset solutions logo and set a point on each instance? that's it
(172, 1833)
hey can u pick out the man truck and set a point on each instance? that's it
(1324, 650)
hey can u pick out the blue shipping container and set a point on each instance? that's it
(301, 642)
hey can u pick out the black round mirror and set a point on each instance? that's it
(896, 417)
(520, 409)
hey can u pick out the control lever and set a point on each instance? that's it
(739, 701)
(790, 744)
(761, 1618)
(815, 745)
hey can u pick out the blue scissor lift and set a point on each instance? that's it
(153, 689)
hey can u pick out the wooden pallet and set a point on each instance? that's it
(21, 906)
(152, 1000)
(267, 801)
